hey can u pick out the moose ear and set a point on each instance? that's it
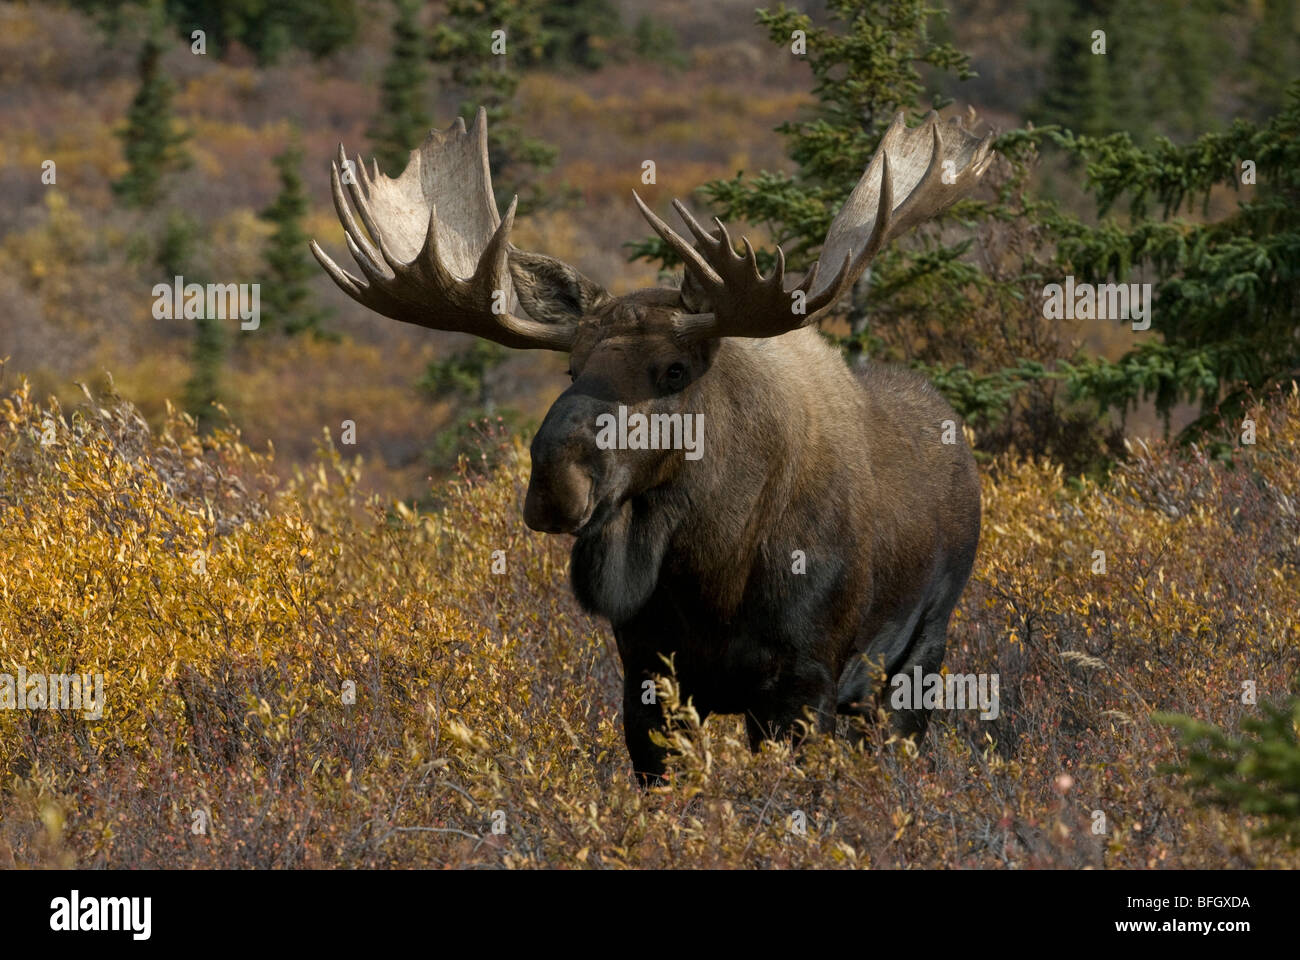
(551, 291)
(693, 298)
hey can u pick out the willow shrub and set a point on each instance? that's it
(300, 675)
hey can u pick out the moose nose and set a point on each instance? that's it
(561, 488)
(559, 498)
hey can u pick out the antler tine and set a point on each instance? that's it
(693, 225)
(683, 249)
(363, 252)
(344, 211)
(780, 264)
(493, 265)
(349, 284)
(826, 297)
(885, 209)
(374, 275)
(360, 189)
(719, 245)
(715, 245)
(752, 258)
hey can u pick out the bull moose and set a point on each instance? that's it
(824, 535)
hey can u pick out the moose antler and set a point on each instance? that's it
(914, 175)
(440, 256)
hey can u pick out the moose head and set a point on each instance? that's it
(690, 554)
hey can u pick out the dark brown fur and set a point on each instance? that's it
(694, 559)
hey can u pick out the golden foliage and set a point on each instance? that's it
(230, 616)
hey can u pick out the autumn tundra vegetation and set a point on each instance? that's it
(294, 556)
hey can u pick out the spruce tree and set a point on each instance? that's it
(286, 300)
(203, 388)
(468, 40)
(466, 374)
(466, 380)
(1078, 89)
(1274, 40)
(1226, 292)
(321, 27)
(1257, 774)
(578, 32)
(403, 121)
(176, 257)
(1163, 60)
(152, 145)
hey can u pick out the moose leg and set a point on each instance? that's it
(777, 712)
(639, 720)
(929, 643)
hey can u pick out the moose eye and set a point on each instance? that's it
(675, 376)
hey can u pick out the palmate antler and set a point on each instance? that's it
(903, 184)
(440, 256)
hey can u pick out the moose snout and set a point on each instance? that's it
(561, 489)
(559, 498)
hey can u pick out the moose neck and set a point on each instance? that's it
(764, 410)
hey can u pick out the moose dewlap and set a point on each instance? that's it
(821, 538)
